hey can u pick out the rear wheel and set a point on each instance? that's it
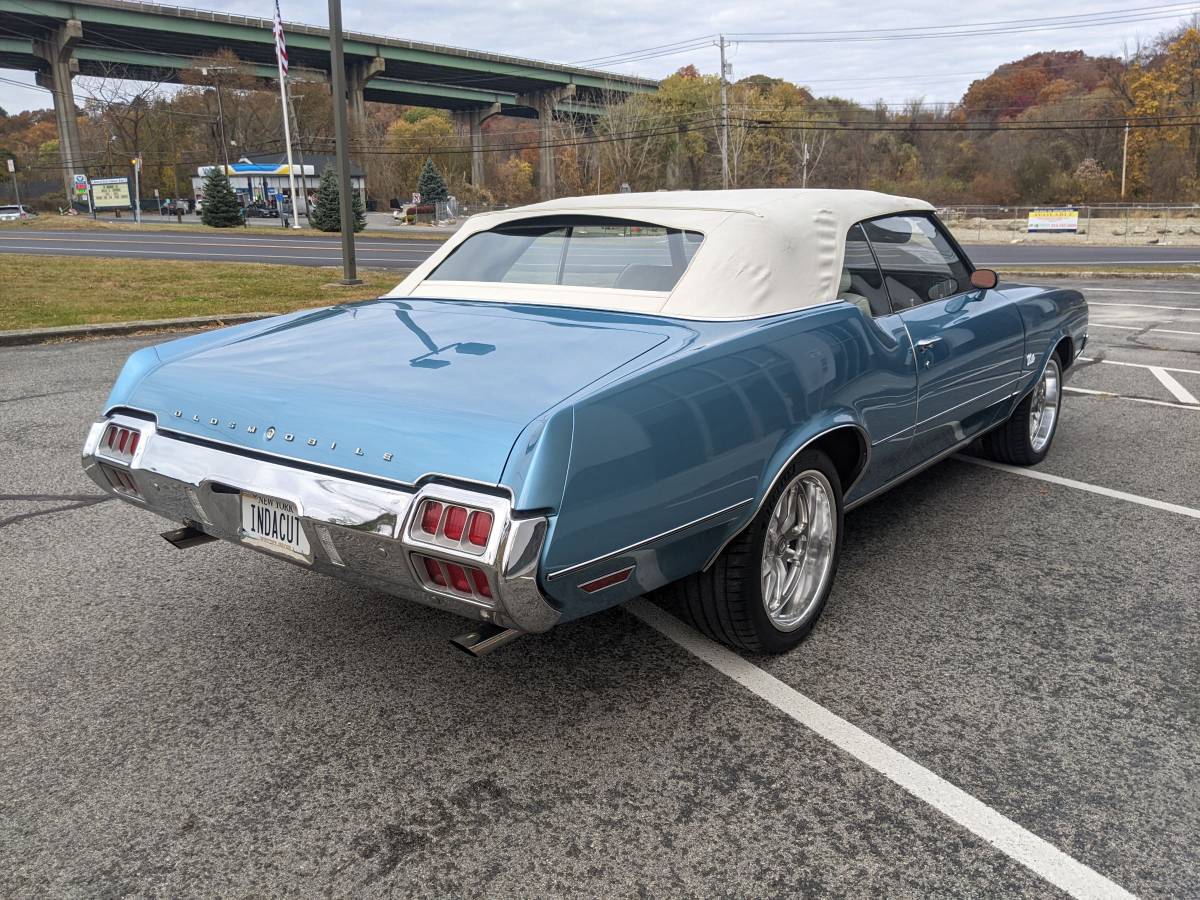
(1025, 439)
(767, 589)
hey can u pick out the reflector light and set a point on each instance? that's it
(112, 434)
(456, 523)
(434, 571)
(122, 437)
(481, 584)
(134, 437)
(431, 515)
(481, 527)
(458, 578)
(606, 581)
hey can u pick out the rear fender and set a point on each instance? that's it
(796, 443)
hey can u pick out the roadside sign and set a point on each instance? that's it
(416, 198)
(111, 193)
(81, 185)
(12, 166)
(1053, 220)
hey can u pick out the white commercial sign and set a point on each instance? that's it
(111, 193)
(1053, 220)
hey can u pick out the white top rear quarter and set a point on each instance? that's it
(764, 252)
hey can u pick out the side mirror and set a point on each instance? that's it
(984, 279)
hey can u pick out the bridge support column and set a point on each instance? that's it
(57, 52)
(470, 123)
(357, 76)
(545, 102)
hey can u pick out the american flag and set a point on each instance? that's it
(280, 43)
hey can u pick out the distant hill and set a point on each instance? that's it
(1035, 80)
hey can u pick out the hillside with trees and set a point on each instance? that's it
(1047, 128)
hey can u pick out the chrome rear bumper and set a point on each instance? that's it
(357, 532)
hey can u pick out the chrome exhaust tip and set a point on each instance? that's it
(483, 640)
(182, 538)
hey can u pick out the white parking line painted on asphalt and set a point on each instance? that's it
(1178, 391)
(1118, 362)
(1140, 328)
(1083, 486)
(1019, 844)
(1184, 309)
(1110, 394)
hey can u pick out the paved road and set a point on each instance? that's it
(395, 253)
(389, 253)
(213, 722)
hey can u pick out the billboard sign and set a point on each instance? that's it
(111, 193)
(1053, 220)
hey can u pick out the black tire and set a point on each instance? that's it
(1012, 442)
(725, 602)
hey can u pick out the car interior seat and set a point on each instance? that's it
(845, 293)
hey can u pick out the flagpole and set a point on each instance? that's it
(287, 130)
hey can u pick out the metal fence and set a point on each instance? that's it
(1131, 222)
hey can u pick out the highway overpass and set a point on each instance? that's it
(59, 40)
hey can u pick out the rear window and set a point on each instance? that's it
(579, 251)
(10, 209)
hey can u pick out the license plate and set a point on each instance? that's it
(273, 523)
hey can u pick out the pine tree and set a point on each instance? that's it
(326, 212)
(430, 185)
(221, 208)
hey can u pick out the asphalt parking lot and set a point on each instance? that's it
(1025, 650)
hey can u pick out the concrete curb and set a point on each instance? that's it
(111, 329)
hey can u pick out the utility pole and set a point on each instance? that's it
(341, 127)
(220, 118)
(1124, 159)
(724, 115)
(137, 188)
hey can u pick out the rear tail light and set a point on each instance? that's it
(458, 578)
(431, 517)
(481, 528)
(453, 578)
(434, 570)
(481, 584)
(450, 524)
(456, 522)
(120, 480)
(121, 442)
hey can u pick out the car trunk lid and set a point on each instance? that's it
(392, 389)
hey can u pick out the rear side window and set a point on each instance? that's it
(579, 251)
(918, 262)
(862, 283)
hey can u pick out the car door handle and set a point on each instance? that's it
(927, 343)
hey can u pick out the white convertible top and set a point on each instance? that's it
(764, 251)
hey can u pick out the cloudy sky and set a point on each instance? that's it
(910, 62)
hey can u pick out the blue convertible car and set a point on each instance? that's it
(574, 403)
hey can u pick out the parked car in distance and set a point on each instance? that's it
(12, 212)
(260, 211)
(574, 403)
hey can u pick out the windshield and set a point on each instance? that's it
(580, 251)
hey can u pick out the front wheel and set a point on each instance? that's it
(767, 589)
(1025, 438)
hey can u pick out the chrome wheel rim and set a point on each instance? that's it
(1043, 411)
(797, 557)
